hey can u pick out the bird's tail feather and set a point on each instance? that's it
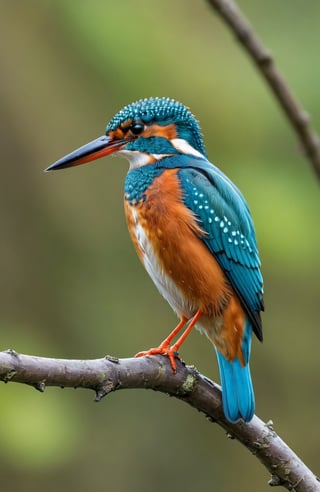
(237, 389)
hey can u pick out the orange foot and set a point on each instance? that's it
(163, 349)
(172, 350)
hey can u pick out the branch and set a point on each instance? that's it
(298, 118)
(111, 374)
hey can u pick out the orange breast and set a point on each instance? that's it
(166, 236)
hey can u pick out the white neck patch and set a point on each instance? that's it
(185, 148)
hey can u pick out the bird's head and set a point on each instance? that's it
(143, 132)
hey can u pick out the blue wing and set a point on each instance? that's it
(229, 232)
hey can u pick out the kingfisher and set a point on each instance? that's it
(194, 234)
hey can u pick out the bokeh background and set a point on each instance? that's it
(71, 285)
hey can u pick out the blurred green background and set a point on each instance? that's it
(71, 285)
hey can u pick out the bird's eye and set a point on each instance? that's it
(137, 128)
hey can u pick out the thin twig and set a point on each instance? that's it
(297, 116)
(111, 374)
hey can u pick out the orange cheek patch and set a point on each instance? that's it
(168, 131)
(125, 125)
(117, 134)
(122, 130)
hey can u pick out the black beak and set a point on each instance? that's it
(99, 147)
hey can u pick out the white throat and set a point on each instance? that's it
(138, 159)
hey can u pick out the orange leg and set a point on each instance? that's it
(172, 351)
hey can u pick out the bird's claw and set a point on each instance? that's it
(170, 352)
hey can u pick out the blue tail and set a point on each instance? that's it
(237, 390)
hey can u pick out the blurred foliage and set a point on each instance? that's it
(71, 285)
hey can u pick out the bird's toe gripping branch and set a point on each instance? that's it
(171, 351)
(163, 349)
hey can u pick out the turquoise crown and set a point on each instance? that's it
(163, 111)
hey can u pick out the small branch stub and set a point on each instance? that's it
(40, 386)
